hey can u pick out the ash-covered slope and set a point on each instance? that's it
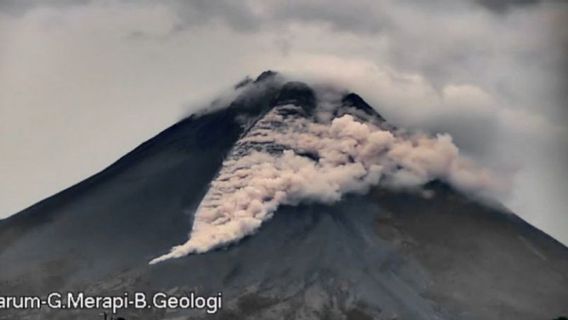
(355, 250)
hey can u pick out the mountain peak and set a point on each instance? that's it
(274, 90)
(297, 93)
(354, 100)
(268, 74)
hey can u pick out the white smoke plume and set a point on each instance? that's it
(288, 157)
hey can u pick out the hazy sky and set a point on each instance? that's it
(82, 83)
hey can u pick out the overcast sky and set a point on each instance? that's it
(82, 83)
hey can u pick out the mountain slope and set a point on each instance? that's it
(381, 255)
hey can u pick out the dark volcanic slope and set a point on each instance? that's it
(385, 255)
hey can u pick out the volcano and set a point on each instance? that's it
(293, 202)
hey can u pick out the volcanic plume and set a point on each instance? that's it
(319, 151)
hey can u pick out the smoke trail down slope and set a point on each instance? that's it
(298, 152)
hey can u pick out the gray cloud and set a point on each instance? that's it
(502, 6)
(357, 17)
(237, 15)
(20, 7)
(433, 39)
(254, 16)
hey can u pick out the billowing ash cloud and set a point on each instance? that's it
(296, 155)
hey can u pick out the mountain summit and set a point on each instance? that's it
(294, 202)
